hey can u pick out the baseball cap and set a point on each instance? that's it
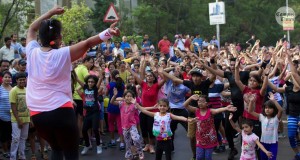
(196, 71)
(22, 62)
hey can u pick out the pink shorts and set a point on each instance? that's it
(112, 119)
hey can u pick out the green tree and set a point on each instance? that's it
(13, 15)
(243, 18)
(75, 22)
(98, 14)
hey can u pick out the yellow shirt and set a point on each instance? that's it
(81, 72)
(18, 97)
(124, 75)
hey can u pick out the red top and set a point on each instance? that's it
(0, 79)
(164, 46)
(66, 105)
(206, 135)
(187, 43)
(258, 105)
(149, 95)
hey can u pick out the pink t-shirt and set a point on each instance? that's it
(49, 77)
(128, 115)
(258, 105)
(248, 146)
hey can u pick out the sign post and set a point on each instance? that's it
(111, 14)
(217, 17)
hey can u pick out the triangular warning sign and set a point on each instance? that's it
(111, 14)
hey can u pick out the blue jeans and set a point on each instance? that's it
(204, 154)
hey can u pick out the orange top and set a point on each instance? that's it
(66, 105)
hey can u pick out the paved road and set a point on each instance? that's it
(182, 150)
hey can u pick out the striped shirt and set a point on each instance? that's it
(4, 104)
(214, 95)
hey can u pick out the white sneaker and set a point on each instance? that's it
(85, 150)
(118, 140)
(99, 149)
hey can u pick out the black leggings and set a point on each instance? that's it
(146, 123)
(162, 146)
(59, 129)
(229, 131)
(91, 120)
(178, 112)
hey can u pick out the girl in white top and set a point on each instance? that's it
(269, 119)
(161, 127)
(49, 96)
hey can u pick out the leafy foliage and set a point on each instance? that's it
(243, 18)
(75, 21)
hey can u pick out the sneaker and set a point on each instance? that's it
(281, 135)
(118, 140)
(233, 152)
(111, 144)
(122, 148)
(85, 150)
(224, 141)
(99, 149)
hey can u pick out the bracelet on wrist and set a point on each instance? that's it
(105, 35)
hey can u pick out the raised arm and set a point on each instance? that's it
(179, 118)
(236, 127)
(143, 110)
(186, 104)
(135, 75)
(172, 77)
(230, 108)
(113, 98)
(265, 82)
(293, 69)
(276, 89)
(237, 76)
(252, 99)
(215, 71)
(77, 50)
(34, 27)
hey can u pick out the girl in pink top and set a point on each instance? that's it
(249, 140)
(206, 136)
(129, 122)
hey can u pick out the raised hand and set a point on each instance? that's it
(230, 116)
(113, 30)
(57, 10)
(271, 96)
(231, 108)
(252, 97)
(160, 69)
(115, 91)
(195, 97)
(133, 100)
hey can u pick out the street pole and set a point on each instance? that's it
(218, 34)
(287, 11)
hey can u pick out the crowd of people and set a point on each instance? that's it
(215, 91)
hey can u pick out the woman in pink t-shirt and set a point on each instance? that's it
(49, 93)
(150, 90)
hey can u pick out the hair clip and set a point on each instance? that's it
(52, 43)
(50, 24)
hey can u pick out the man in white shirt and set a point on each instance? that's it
(7, 51)
(118, 52)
